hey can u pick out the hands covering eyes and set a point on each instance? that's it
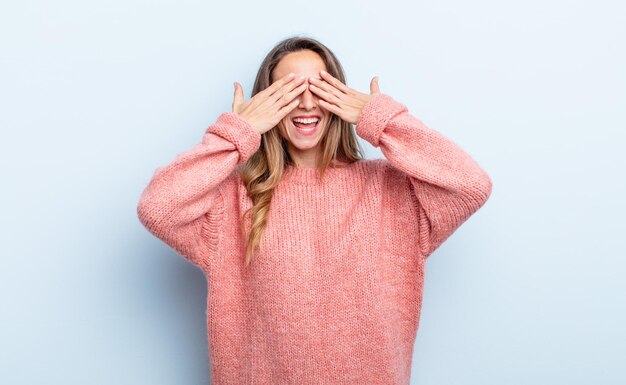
(340, 99)
(267, 108)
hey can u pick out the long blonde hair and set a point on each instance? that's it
(262, 172)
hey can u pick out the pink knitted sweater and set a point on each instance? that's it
(334, 295)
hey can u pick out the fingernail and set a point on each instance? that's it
(323, 72)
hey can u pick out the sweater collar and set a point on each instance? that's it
(309, 175)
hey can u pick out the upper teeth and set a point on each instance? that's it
(306, 121)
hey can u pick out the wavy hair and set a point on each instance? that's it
(262, 172)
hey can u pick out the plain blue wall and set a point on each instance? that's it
(95, 96)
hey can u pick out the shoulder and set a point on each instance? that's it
(377, 165)
(385, 170)
(394, 183)
(369, 170)
(390, 181)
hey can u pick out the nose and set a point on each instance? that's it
(308, 100)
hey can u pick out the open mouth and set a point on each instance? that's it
(306, 126)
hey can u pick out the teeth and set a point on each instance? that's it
(306, 121)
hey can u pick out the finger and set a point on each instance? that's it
(327, 96)
(329, 88)
(278, 84)
(289, 107)
(374, 88)
(238, 96)
(335, 82)
(282, 95)
(330, 107)
(288, 97)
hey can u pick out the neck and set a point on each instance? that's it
(305, 158)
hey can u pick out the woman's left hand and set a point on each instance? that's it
(340, 99)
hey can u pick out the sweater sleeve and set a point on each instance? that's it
(178, 204)
(449, 186)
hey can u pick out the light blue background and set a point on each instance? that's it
(95, 96)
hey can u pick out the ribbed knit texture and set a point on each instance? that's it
(334, 296)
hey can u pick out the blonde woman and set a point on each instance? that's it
(314, 256)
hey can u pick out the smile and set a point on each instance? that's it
(306, 126)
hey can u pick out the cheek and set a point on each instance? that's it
(285, 124)
(283, 127)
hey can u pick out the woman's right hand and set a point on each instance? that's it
(268, 107)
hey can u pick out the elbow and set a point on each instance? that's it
(144, 214)
(148, 215)
(485, 184)
(476, 190)
(482, 188)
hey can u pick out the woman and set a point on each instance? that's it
(314, 256)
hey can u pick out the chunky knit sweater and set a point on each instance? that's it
(334, 294)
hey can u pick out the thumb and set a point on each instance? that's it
(374, 89)
(238, 96)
